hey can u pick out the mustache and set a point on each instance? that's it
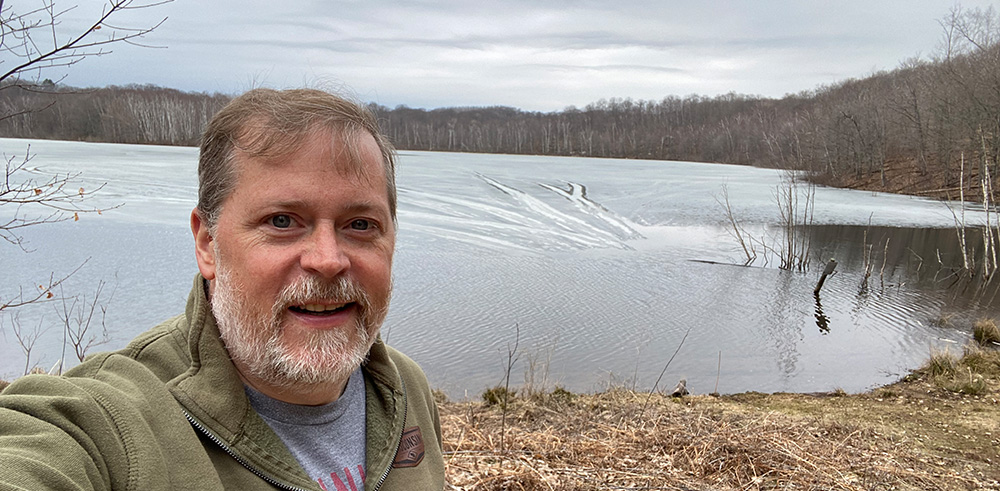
(310, 289)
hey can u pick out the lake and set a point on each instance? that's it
(598, 270)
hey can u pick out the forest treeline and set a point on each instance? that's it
(932, 113)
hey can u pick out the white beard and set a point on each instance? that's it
(254, 339)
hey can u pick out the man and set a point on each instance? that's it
(275, 376)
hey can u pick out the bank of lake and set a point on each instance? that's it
(938, 428)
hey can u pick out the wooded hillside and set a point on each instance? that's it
(930, 113)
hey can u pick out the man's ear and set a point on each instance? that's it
(204, 246)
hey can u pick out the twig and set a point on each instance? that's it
(718, 374)
(650, 395)
(511, 359)
(885, 255)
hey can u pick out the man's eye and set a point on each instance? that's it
(281, 221)
(361, 224)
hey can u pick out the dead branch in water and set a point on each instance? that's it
(737, 231)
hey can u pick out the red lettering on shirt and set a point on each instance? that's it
(338, 483)
(350, 479)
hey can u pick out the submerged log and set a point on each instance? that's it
(830, 266)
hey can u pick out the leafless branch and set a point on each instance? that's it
(44, 293)
(26, 339)
(18, 33)
(54, 194)
(77, 316)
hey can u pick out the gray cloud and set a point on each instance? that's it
(540, 55)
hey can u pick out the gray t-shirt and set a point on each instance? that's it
(328, 440)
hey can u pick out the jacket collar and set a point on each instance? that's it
(211, 393)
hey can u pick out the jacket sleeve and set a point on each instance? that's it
(54, 435)
(111, 425)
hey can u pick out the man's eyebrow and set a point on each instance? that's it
(367, 206)
(283, 204)
(354, 207)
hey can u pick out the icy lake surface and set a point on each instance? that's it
(599, 269)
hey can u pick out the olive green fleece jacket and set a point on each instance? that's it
(169, 412)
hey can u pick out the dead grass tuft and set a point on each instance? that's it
(985, 331)
(940, 364)
(981, 361)
(498, 396)
(966, 375)
(440, 397)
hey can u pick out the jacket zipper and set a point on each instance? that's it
(232, 453)
(399, 442)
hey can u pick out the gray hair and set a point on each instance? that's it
(265, 123)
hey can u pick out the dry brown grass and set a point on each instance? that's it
(749, 441)
(985, 331)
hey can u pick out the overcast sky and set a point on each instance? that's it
(535, 55)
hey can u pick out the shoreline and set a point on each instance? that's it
(904, 176)
(929, 430)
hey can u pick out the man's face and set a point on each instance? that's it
(300, 261)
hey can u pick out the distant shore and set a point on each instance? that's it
(906, 177)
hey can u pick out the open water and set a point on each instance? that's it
(597, 270)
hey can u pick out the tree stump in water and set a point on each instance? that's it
(681, 389)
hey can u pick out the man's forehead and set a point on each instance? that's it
(355, 159)
(353, 152)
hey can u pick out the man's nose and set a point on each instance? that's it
(324, 255)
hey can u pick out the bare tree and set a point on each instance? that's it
(31, 43)
(26, 339)
(34, 45)
(77, 314)
(35, 201)
(970, 56)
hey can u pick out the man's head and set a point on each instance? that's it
(295, 229)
